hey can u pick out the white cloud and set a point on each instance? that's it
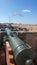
(15, 14)
(26, 10)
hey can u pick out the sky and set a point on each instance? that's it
(18, 11)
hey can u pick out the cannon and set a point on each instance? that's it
(22, 51)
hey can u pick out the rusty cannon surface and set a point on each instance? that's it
(22, 52)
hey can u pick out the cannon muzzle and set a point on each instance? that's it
(22, 51)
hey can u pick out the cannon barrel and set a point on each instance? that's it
(22, 51)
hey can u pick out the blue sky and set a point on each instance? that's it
(18, 11)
